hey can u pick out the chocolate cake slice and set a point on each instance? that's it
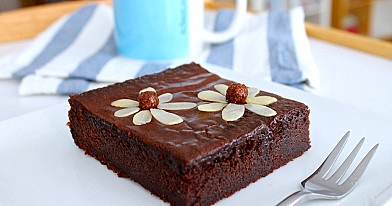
(199, 159)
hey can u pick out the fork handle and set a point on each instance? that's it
(296, 198)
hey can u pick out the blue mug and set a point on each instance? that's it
(157, 30)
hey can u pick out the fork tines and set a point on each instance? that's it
(328, 163)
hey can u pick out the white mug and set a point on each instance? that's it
(156, 30)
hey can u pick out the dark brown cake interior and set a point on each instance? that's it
(198, 161)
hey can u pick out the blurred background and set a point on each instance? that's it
(372, 18)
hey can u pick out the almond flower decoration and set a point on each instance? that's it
(150, 105)
(233, 100)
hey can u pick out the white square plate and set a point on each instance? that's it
(40, 164)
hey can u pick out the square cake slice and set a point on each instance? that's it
(193, 155)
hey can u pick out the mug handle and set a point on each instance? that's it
(234, 28)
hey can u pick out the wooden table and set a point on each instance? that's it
(26, 23)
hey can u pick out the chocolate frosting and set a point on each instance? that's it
(200, 133)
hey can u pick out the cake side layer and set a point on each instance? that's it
(290, 135)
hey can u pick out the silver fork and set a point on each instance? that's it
(320, 186)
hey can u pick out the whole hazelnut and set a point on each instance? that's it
(237, 93)
(148, 100)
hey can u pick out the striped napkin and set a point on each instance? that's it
(77, 53)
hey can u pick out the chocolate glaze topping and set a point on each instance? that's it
(200, 133)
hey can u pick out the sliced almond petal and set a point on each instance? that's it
(261, 110)
(252, 92)
(221, 88)
(123, 103)
(147, 89)
(211, 107)
(177, 105)
(211, 96)
(164, 117)
(233, 112)
(142, 117)
(261, 100)
(167, 97)
(126, 112)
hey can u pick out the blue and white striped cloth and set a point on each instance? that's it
(77, 53)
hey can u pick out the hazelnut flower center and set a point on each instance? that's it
(148, 100)
(237, 93)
